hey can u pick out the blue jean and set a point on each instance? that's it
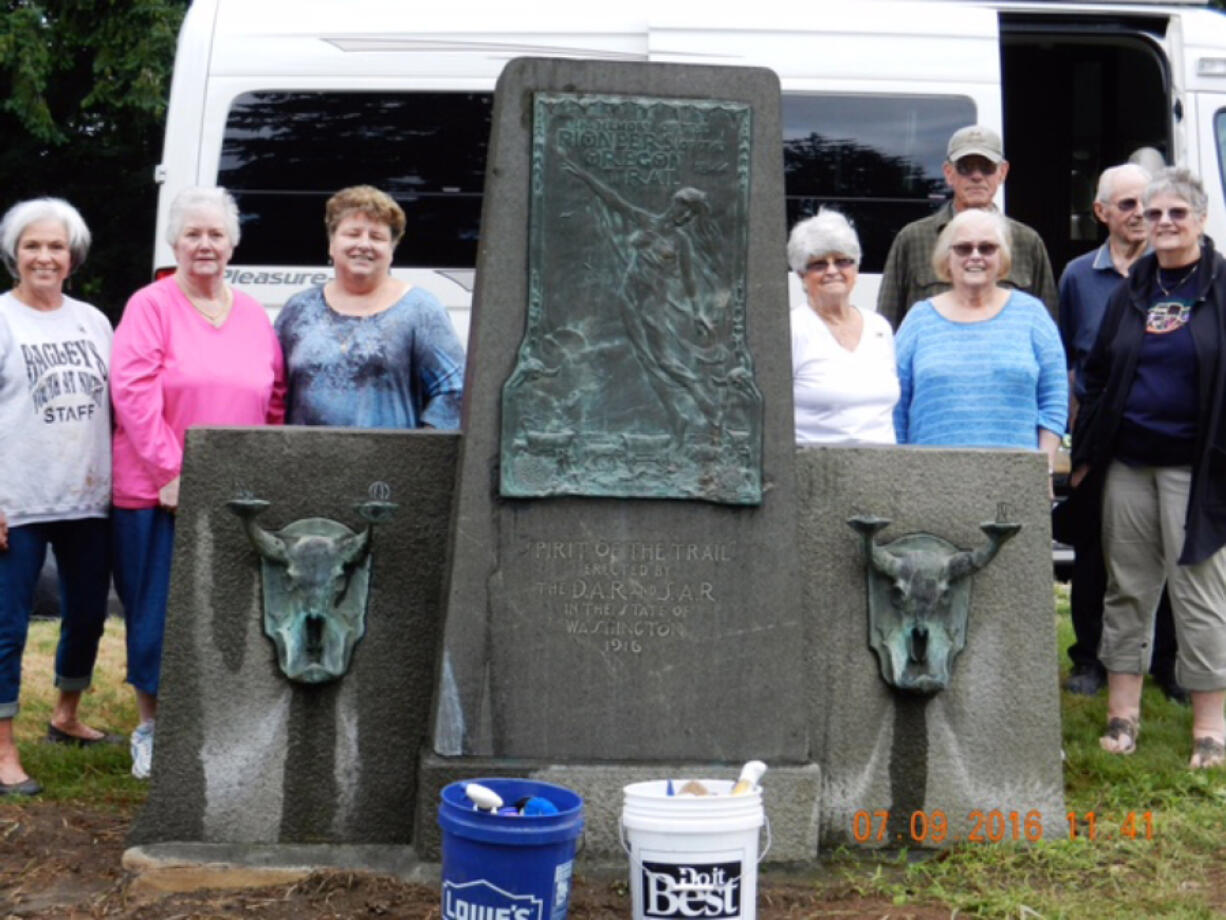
(82, 557)
(143, 541)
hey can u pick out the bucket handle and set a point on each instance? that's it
(637, 864)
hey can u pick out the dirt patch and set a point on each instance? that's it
(62, 862)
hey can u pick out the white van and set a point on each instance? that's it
(285, 101)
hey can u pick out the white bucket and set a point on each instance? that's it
(693, 856)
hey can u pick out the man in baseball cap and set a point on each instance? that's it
(975, 167)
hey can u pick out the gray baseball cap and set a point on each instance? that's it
(976, 140)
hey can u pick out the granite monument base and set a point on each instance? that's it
(982, 756)
(244, 754)
(791, 797)
(177, 867)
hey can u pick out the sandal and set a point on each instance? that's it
(1123, 733)
(26, 787)
(59, 736)
(1207, 752)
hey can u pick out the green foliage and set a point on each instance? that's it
(72, 63)
(84, 84)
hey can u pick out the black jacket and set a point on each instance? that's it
(1109, 373)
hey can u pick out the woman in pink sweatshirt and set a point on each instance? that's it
(188, 351)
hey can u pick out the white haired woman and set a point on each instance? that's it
(55, 465)
(1151, 434)
(980, 365)
(188, 351)
(844, 381)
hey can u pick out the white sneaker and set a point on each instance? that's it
(142, 750)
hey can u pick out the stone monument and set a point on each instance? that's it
(299, 654)
(938, 721)
(623, 584)
(645, 577)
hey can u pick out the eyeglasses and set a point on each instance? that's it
(1125, 205)
(842, 263)
(968, 166)
(962, 250)
(1177, 214)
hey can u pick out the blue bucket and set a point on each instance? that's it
(519, 864)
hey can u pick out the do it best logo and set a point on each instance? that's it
(709, 891)
(482, 901)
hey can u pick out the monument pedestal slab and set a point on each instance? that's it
(173, 867)
(983, 754)
(243, 754)
(791, 797)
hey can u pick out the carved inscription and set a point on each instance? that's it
(626, 596)
(634, 377)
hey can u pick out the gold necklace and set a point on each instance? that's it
(217, 318)
(1178, 284)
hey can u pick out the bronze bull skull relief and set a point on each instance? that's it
(919, 601)
(316, 579)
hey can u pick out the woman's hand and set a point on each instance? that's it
(168, 495)
(4, 532)
(1077, 475)
(1049, 444)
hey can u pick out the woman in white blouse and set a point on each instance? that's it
(844, 379)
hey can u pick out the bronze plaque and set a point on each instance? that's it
(634, 377)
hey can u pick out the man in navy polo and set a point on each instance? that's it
(1086, 285)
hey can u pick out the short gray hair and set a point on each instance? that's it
(1148, 158)
(827, 231)
(19, 217)
(199, 197)
(1000, 226)
(1113, 174)
(1182, 183)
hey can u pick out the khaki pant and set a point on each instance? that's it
(1143, 514)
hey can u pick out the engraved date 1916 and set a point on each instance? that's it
(624, 646)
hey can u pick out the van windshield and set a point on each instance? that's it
(875, 157)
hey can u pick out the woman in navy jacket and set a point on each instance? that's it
(1151, 435)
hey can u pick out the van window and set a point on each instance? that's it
(285, 153)
(875, 158)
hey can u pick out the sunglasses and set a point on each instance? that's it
(1126, 205)
(1177, 214)
(821, 265)
(968, 166)
(962, 250)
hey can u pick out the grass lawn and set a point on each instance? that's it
(1173, 865)
(97, 775)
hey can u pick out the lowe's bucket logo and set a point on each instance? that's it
(708, 891)
(482, 901)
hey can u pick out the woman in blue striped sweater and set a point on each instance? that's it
(980, 365)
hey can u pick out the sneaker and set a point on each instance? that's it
(1086, 680)
(142, 750)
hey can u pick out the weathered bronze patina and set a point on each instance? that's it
(919, 601)
(316, 579)
(634, 377)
